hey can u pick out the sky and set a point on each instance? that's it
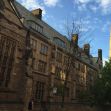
(93, 15)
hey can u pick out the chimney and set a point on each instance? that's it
(74, 39)
(37, 13)
(87, 49)
(100, 54)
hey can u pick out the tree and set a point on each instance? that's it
(75, 27)
(102, 88)
(78, 27)
(72, 32)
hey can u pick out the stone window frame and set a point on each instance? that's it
(39, 92)
(57, 72)
(42, 66)
(33, 44)
(59, 56)
(44, 49)
(7, 52)
(59, 42)
(32, 24)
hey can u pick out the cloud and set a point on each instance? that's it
(32, 4)
(49, 17)
(104, 3)
(104, 6)
(81, 1)
(84, 4)
(106, 26)
(93, 8)
(51, 3)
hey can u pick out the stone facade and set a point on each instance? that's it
(37, 64)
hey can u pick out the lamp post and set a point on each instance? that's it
(54, 90)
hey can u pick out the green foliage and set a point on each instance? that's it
(60, 90)
(102, 88)
(84, 95)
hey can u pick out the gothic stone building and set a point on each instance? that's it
(37, 63)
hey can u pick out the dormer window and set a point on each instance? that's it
(35, 26)
(59, 42)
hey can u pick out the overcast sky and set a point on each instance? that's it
(95, 16)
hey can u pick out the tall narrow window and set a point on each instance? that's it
(2, 5)
(44, 49)
(59, 57)
(66, 60)
(7, 49)
(42, 66)
(82, 68)
(67, 92)
(57, 72)
(34, 44)
(39, 91)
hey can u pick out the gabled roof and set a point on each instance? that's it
(49, 31)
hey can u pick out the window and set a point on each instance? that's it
(60, 89)
(67, 92)
(39, 91)
(66, 60)
(34, 44)
(59, 57)
(77, 93)
(2, 5)
(35, 26)
(42, 66)
(82, 68)
(77, 65)
(7, 49)
(91, 76)
(59, 42)
(57, 72)
(35, 65)
(44, 49)
(53, 54)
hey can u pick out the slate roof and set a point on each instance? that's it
(50, 32)
(29, 16)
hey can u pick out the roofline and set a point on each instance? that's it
(43, 22)
(16, 11)
(50, 28)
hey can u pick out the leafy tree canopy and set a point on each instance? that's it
(102, 88)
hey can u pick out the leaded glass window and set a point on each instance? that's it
(39, 91)
(7, 49)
